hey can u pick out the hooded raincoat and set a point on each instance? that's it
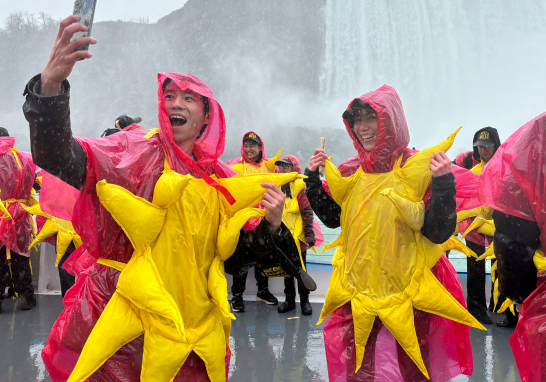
(245, 165)
(395, 303)
(513, 184)
(16, 180)
(151, 216)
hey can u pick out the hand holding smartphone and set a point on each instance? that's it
(86, 10)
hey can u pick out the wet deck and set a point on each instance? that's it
(268, 346)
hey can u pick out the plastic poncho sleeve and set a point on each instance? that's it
(53, 147)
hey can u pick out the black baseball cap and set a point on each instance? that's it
(252, 137)
(284, 160)
(485, 139)
(124, 120)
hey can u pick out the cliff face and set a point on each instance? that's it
(250, 52)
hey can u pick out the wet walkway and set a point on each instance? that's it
(268, 346)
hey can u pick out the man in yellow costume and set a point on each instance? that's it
(395, 303)
(159, 215)
(252, 161)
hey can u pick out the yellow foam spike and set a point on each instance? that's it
(432, 297)
(96, 350)
(363, 324)
(400, 322)
(412, 212)
(131, 212)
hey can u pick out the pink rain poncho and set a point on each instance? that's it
(513, 182)
(16, 180)
(244, 158)
(444, 344)
(135, 162)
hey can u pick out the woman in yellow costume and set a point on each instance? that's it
(395, 303)
(159, 215)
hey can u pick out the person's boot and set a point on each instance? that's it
(306, 309)
(266, 296)
(27, 301)
(505, 323)
(288, 304)
(483, 317)
(237, 304)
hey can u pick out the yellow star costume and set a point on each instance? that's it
(53, 225)
(382, 265)
(291, 216)
(250, 168)
(173, 290)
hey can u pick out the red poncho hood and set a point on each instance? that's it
(295, 163)
(16, 180)
(392, 131)
(6, 143)
(135, 162)
(513, 181)
(244, 158)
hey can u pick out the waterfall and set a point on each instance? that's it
(450, 57)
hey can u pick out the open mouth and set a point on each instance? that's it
(177, 120)
(367, 137)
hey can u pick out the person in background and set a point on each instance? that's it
(252, 161)
(121, 123)
(17, 173)
(485, 144)
(512, 184)
(298, 217)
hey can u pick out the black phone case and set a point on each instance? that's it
(86, 10)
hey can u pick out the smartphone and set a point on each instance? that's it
(86, 10)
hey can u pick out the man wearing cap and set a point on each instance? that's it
(298, 217)
(485, 144)
(252, 161)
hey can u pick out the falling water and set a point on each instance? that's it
(447, 59)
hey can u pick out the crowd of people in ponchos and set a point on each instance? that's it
(399, 210)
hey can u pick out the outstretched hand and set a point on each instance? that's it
(63, 56)
(319, 158)
(273, 202)
(440, 164)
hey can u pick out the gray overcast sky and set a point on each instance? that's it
(106, 9)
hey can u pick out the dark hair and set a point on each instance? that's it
(108, 132)
(206, 107)
(4, 132)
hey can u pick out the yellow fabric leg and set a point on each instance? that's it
(118, 325)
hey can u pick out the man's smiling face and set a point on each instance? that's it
(186, 113)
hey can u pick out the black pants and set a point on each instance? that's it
(475, 282)
(239, 282)
(289, 283)
(21, 275)
(67, 280)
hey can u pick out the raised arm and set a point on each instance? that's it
(47, 108)
(327, 210)
(441, 218)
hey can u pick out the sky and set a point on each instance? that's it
(106, 9)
